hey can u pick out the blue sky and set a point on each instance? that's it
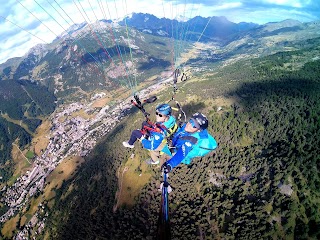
(21, 29)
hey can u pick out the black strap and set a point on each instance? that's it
(191, 139)
(207, 148)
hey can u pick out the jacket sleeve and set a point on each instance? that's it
(181, 153)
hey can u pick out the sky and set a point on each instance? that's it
(25, 23)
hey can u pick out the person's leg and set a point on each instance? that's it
(155, 156)
(136, 134)
(163, 158)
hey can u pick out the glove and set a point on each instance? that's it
(166, 167)
(142, 137)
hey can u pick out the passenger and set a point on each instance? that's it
(155, 139)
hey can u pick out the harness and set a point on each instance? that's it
(169, 131)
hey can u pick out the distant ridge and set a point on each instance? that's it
(219, 28)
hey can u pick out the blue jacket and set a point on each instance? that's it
(190, 145)
(154, 141)
(156, 138)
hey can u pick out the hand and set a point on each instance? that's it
(142, 137)
(166, 167)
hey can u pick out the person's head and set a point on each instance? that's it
(163, 112)
(198, 122)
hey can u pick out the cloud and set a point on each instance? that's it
(301, 4)
(290, 3)
(262, 11)
(20, 39)
(272, 15)
(228, 6)
(16, 46)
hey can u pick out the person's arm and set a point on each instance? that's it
(181, 153)
(176, 159)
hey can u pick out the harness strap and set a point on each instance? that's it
(172, 130)
(151, 129)
(211, 149)
(191, 139)
(169, 131)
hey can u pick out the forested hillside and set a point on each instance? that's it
(22, 106)
(262, 183)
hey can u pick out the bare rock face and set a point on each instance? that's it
(216, 178)
(286, 189)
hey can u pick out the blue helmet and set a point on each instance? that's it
(200, 120)
(164, 109)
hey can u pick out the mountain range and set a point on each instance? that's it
(76, 58)
(215, 28)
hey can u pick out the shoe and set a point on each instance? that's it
(150, 161)
(126, 144)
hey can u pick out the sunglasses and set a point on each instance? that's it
(159, 114)
(192, 123)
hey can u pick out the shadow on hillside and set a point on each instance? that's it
(159, 43)
(104, 54)
(154, 62)
(95, 186)
(283, 108)
(192, 108)
(258, 92)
